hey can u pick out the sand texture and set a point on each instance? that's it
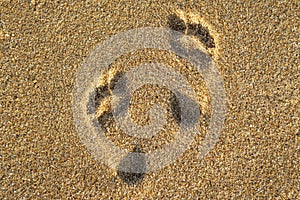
(255, 46)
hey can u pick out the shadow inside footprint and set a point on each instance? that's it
(176, 24)
(175, 109)
(132, 168)
(202, 33)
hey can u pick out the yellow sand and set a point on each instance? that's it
(43, 43)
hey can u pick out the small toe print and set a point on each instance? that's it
(192, 28)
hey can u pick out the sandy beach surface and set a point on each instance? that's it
(255, 46)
